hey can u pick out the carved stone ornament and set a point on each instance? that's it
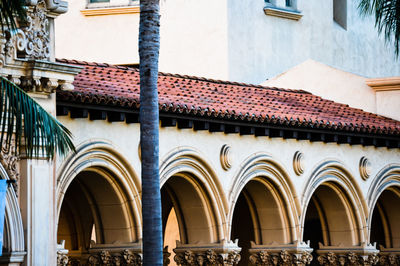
(10, 161)
(226, 157)
(365, 168)
(389, 259)
(62, 259)
(33, 39)
(298, 163)
(351, 259)
(263, 258)
(209, 257)
(105, 257)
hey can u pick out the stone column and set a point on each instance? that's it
(225, 253)
(365, 254)
(389, 256)
(298, 253)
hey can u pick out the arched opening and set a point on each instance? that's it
(187, 212)
(260, 215)
(330, 219)
(95, 212)
(385, 225)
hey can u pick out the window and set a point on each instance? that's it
(110, 7)
(340, 12)
(282, 8)
(99, 1)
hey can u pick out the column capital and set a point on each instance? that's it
(224, 253)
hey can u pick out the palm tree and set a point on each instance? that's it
(387, 18)
(35, 131)
(149, 45)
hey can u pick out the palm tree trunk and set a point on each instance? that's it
(149, 44)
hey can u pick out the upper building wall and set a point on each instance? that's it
(262, 46)
(231, 40)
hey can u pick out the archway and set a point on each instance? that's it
(98, 206)
(385, 225)
(95, 212)
(263, 211)
(333, 217)
(13, 231)
(260, 216)
(384, 202)
(192, 204)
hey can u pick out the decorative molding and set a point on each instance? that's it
(105, 257)
(226, 157)
(221, 254)
(297, 253)
(111, 11)
(298, 163)
(10, 162)
(209, 257)
(282, 13)
(263, 258)
(33, 39)
(384, 84)
(365, 168)
(333, 259)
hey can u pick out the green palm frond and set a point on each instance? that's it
(9, 10)
(36, 131)
(387, 18)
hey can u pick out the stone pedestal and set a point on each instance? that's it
(298, 253)
(365, 254)
(225, 253)
(389, 256)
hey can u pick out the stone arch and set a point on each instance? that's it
(14, 244)
(338, 203)
(196, 195)
(98, 197)
(265, 170)
(383, 201)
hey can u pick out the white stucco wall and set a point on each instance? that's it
(231, 40)
(243, 148)
(262, 46)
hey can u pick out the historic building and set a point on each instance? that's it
(245, 41)
(249, 174)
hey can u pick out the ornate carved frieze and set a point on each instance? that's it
(105, 257)
(263, 258)
(221, 254)
(365, 254)
(351, 259)
(32, 40)
(389, 259)
(297, 253)
(209, 257)
(10, 162)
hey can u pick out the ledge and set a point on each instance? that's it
(384, 84)
(111, 11)
(282, 13)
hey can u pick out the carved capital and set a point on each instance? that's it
(208, 257)
(351, 259)
(106, 257)
(389, 259)
(10, 162)
(263, 258)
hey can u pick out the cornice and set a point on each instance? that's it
(111, 11)
(384, 84)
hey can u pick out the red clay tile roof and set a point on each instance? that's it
(119, 86)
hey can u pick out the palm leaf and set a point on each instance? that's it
(387, 18)
(9, 9)
(36, 131)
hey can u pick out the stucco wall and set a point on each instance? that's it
(262, 46)
(208, 146)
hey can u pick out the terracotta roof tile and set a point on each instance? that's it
(119, 86)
